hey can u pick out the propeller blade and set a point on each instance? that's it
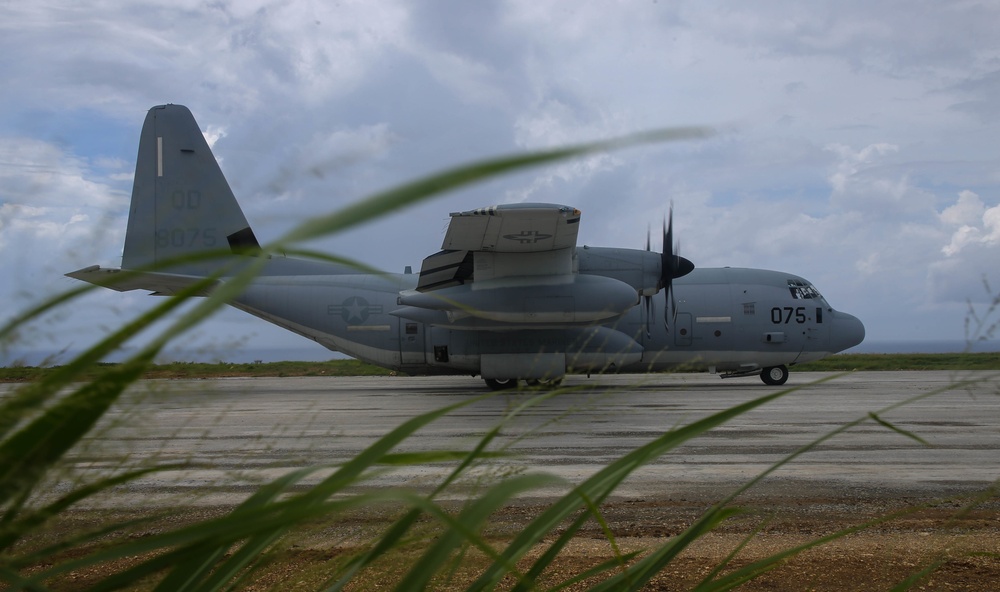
(647, 302)
(667, 269)
(672, 267)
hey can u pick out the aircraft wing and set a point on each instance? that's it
(516, 228)
(515, 240)
(123, 281)
(512, 267)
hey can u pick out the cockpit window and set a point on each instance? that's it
(802, 290)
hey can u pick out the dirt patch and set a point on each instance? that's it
(962, 544)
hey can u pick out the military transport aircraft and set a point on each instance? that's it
(510, 296)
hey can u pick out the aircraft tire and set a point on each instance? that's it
(775, 375)
(499, 384)
(550, 383)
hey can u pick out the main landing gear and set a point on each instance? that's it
(500, 384)
(771, 376)
(775, 375)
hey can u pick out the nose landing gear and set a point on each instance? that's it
(775, 375)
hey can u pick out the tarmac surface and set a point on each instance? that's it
(236, 433)
(930, 500)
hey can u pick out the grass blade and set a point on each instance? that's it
(13, 531)
(26, 456)
(465, 527)
(600, 485)
(899, 430)
(636, 576)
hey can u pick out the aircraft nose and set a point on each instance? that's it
(848, 331)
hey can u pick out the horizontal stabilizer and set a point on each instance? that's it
(124, 280)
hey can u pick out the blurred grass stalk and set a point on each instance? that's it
(42, 420)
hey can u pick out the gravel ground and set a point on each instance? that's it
(965, 542)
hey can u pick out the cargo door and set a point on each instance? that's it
(412, 349)
(682, 330)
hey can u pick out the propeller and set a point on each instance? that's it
(672, 266)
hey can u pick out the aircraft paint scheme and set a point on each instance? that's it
(510, 296)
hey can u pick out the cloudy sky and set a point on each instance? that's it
(857, 142)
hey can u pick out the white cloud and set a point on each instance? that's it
(240, 55)
(213, 134)
(991, 224)
(963, 236)
(967, 210)
(978, 225)
(54, 217)
(852, 162)
(972, 231)
(34, 172)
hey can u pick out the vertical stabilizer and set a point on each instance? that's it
(181, 202)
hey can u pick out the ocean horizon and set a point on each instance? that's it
(318, 354)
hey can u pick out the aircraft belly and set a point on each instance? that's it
(526, 354)
(527, 366)
(671, 360)
(537, 353)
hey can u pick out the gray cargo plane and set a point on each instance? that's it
(510, 296)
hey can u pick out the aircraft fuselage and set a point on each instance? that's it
(730, 320)
(510, 296)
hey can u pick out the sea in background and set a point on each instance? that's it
(318, 354)
(929, 346)
(210, 355)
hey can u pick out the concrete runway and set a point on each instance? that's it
(240, 432)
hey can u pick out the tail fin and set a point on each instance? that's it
(181, 202)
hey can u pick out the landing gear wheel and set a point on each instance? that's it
(774, 376)
(500, 384)
(548, 383)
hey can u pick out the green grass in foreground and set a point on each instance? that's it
(840, 362)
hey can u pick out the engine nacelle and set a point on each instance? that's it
(567, 300)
